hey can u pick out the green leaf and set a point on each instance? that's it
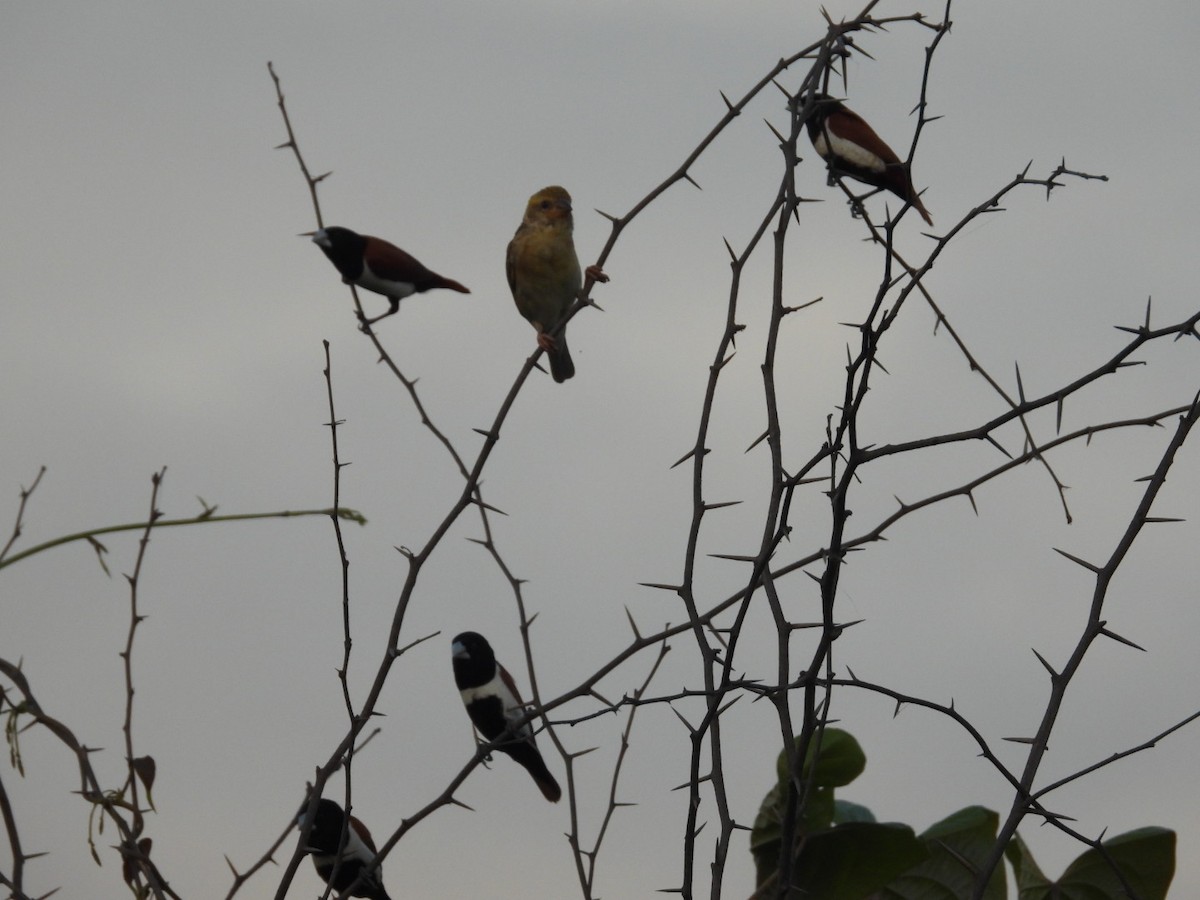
(845, 811)
(852, 861)
(1031, 883)
(840, 761)
(1145, 856)
(958, 846)
(768, 825)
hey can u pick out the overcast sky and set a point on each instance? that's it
(159, 310)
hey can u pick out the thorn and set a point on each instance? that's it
(775, 132)
(734, 700)
(610, 218)
(632, 624)
(1121, 640)
(758, 440)
(687, 725)
(709, 507)
(1020, 740)
(1058, 416)
(727, 103)
(487, 506)
(686, 457)
(673, 588)
(732, 255)
(733, 557)
(692, 181)
(486, 432)
(1042, 660)
(1076, 559)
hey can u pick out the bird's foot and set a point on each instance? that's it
(546, 342)
(596, 274)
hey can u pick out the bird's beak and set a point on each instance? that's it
(459, 651)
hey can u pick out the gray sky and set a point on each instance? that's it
(159, 310)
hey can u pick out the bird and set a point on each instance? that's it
(492, 702)
(544, 275)
(851, 147)
(357, 853)
(376, 265)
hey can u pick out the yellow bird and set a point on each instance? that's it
(544, 274)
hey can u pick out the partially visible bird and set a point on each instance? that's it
(851, 147)
(357, 850)
(544, 275)
(494, 705)
(378, 266)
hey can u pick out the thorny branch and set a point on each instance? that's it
(715, 626)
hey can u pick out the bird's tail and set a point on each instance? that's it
(561, 365)
(920, 207)
(528, 756)
(452, 285)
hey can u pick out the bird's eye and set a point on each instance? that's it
(546, 204)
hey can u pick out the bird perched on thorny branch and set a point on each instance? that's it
(374, 264)
(544, 275)
(357, 850)
(851, 147)
(492, 702)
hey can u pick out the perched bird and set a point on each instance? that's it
(378, 266)
(493, 704)
(851, 147)
(543, 272)
(357, 853)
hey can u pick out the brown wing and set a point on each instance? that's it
(849, 126)
(510, 684)
(359, 827)
(389, 262)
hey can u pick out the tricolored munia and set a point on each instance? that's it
(357, 851)
(376, 265)
(851, 147)
(494, 705)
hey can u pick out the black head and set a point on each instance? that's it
(327, 827)
(336, 239)
(822, 105)
(473, 658)
(343, 247)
